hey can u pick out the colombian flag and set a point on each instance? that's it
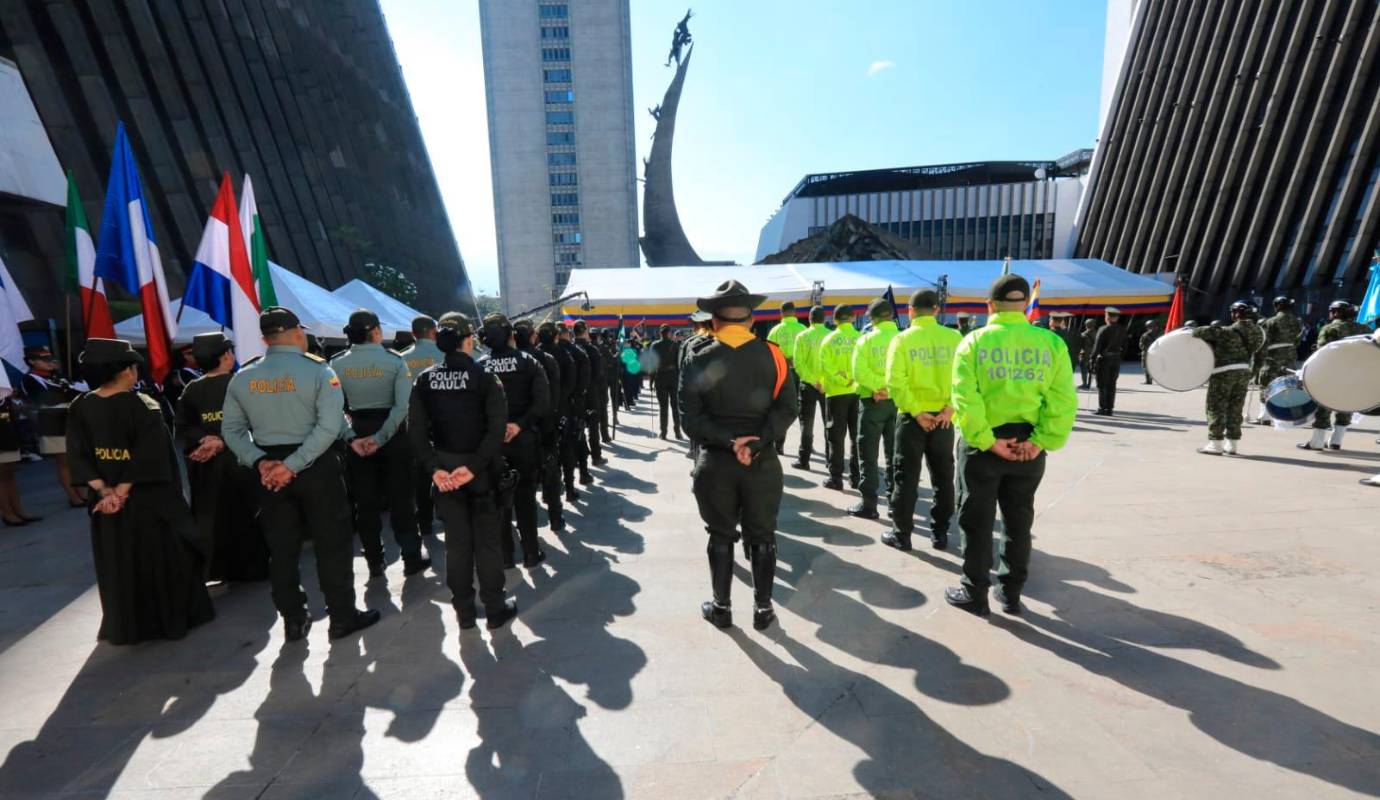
(1033, 312)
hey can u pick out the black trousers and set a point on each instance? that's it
(876, 425)
(733, 498)
(615, 397)
(1108, 369)
(523, 455)
(811, 401)
(572, 446)
(1087, 369)
(470, 515)
(990, 482)
(841, 426)
(632, 382)
(385, 476)
(551, 473)
(781, 443)
(313, 505)
(935, 449)
(667, 398)
(426, 512)
(592, 425)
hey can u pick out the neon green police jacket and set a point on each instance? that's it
(869, 357)
(920, 367)
(1012, 371)
(784, 333)
(836, 360)
(807, 351)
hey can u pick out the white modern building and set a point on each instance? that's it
(983, 210)
(558, 80)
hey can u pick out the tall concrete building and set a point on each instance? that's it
(307, 97)
(1240, 148)
(558, 78)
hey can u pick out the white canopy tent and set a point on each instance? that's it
(323, 313)
(394, 315)
(1080, 285)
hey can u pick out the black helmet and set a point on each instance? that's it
(1340, 306)
(1287, 302)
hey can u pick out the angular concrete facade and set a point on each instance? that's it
(307, 97)
(1242, 150)
(558, 82)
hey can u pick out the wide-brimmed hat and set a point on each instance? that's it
(109, 351)
(730, 294)
(206, 346)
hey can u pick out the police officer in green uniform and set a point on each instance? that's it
(806, 365)
(784, 334)
(1152, 332)
(876, 411)
(1281, 349)
(422, 354)
(840, 397)
(283, 415)
(1087, 364)
(919, 380)
(377, 384)
(1342, 323)
(737, 397)
(666, 378)
(1013, 400)
(457, 419)
(1109, 344)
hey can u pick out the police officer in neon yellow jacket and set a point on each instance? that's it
(876, 412)
(784, 334)
(919, 378)
(807, 351)
(840, 397)
(1013, 400)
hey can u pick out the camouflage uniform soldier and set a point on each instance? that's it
(1342, 316)
(1085, 362)
(1152, 332)
(1232, 346)
(1281, 350)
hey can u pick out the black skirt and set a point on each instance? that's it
(147, 572)
(226, 512)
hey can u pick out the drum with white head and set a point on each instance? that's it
(1179, 362)
(1345, 375)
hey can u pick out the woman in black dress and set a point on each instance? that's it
(223, 499)
(148, 575)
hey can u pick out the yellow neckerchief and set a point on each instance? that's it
(734, 336)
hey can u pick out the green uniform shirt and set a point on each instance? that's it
(836, 360)
(784, 333)
(285, 398)
(869, 357)
(1232, 345)
(1012, 371)
(375, 379)
(807, 352)
(422, 354)
(920, 367)
(1339, 329)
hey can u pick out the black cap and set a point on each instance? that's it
(361, 320)
(1339, 305)
(37, 351)
(664, 329)
(581, 326)
(924, 298)
(276, 319)
(880, 309)
(206, 346)
(458, 322)
(524, 325)
(1241, 305)
(1009, 289)
(109, 351)
(497, 319)
(730, 294)
(1284, 301)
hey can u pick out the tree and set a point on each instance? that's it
(488, 304)
(391, 282)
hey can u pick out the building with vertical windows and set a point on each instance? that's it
(558, 81)
(306, 97)
(976, 211)
(1240, 148)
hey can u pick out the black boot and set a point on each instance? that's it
(414, 564)
(866, 509)
(351, 621)
(375, 566)
(719, 611)
(763, 578)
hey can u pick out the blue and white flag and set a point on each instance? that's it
(1369, 310)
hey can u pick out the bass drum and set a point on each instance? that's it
(1345, 375)
(1179, 362)
(1287, 401)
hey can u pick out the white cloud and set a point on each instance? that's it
(879, 66)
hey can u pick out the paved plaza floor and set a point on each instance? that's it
(1195, 627)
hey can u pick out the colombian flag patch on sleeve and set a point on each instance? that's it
(335, 381)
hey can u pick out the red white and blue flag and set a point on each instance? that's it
(222, 283)
(1033, 312)
(128, 254)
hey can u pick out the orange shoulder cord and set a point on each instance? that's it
(780, 359)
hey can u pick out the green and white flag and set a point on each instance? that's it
(256, 244)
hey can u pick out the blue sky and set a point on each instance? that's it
(782, 88)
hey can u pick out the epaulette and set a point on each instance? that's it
(392, 351)
(252, 361)
(149, 402)
(316, 358)
(703, 344)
